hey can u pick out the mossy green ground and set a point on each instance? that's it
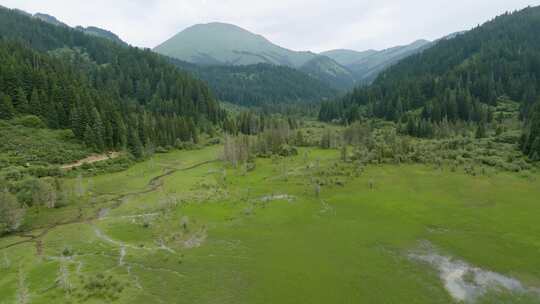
(207, 235)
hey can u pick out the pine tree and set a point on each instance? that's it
(6, 107)
(52, 116)
(98, 130)
(89, 138)
(134, 143)
(77, 124)
(121, 135)
(20, 102)
(480, 131)
(35, 104)
(535, 149)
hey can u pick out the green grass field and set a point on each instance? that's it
(183, 228)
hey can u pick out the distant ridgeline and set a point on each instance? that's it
(110, 95)
(257, 64)
(91, 30)
(458, 79)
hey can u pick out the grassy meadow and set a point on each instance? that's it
(183, 227)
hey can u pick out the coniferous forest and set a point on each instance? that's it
(111, 96)
(261, 84)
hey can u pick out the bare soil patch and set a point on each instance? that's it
(92, 159)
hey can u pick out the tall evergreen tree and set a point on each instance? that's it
(7, 111)
(35, 104)
(20, 102)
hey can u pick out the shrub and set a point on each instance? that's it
(30, 121)
(286, 150)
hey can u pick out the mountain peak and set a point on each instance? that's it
(220, 43)
(217, 25)
(49, 19)
(99, 32)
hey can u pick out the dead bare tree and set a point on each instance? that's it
(62, 279)
(79, 186)
(23, 293)
(11, 213)
(6, 263)
(184, 222)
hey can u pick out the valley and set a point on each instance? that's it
(219, 167)
(215, 233)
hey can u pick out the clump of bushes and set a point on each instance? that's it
(29, 121)
(100, 286)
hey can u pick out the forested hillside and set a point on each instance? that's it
(327, 71)
(458, 79)
(111, 96)
(261, 84)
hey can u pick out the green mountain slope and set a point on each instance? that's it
(348, 57)
(98, 32)
(261, 84)
(458, 79)
(327, 71)
(49, 19)
(91, 30)
(110, 96)
(229, 45)
(366, 66)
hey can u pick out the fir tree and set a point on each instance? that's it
(6, 107)
(20, 102)
(35, 104)
(480, 131)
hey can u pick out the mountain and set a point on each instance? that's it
(459, 79)
(91, 30)
(229, 45)
(245, 68)
(98, 32)
(110, 96)
(326, 70)
(366, 66)
(49, 19)
(348, 57)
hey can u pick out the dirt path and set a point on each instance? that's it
(92, 159)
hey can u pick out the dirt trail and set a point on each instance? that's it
(92, 159)
(153, 185)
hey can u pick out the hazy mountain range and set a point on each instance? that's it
(222, 44)
(367, 65)
(227, 45)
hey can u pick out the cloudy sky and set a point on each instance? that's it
(314, 25)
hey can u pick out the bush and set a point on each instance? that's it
(214, 141)
(286, 150)
(186, 145)
(30, 121)
(161, 150)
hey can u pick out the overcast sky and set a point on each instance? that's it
(315, 25)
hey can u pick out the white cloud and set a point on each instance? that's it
(298, 24)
